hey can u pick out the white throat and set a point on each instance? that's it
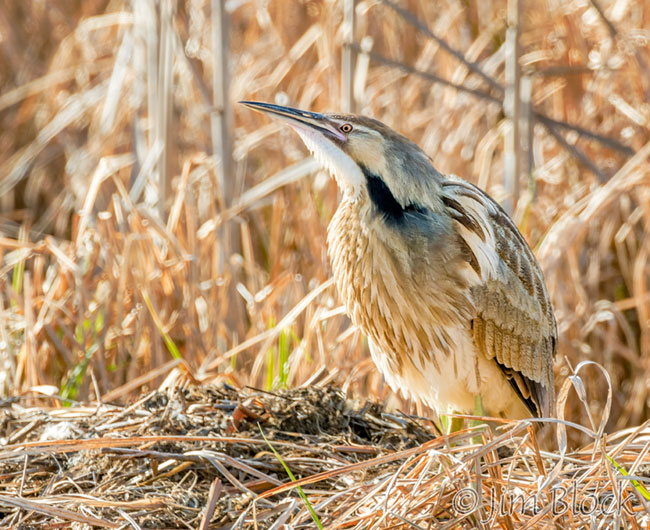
(345, 170)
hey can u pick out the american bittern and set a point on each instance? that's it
(433, 271)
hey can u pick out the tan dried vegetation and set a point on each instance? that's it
(101, 298)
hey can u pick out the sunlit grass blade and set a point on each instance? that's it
(70, 389)
(313, 513)
(638, 486)
(283, 359)
(171, 347)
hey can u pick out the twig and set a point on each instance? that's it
(164, 94)
(426, 75)
(577, 153)
(549, 123)
(347, 57)
(40, 506)
(608, 23)
(614, 35)
(605, 140)
(512, 109)
(220, 133)
(473, 67)
(213, 497)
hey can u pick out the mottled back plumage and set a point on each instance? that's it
(514, 321)
(433, 271)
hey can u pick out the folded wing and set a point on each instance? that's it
(513, 321)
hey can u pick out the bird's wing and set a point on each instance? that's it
(513, 320)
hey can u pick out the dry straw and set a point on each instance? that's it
(102, 298)
(187, 456)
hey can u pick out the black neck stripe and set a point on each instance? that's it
(383, 199)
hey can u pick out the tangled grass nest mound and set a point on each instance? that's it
(214, 457)
(136, 236)
(95, 280)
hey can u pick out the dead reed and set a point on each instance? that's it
(99, 99)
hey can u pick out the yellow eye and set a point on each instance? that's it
(346, 128)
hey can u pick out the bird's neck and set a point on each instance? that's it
(348, 245)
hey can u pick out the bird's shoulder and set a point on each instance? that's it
(486, 227)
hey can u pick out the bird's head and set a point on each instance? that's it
(364, 155)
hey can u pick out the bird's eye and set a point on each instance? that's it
(346, 128)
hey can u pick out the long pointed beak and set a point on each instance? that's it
(297, 117)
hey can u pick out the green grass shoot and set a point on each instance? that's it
(171, 346)
(313, 513)
(637, 485)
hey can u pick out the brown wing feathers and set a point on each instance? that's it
(514, 322)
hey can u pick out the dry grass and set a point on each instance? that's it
(186, 456)
(98, 296)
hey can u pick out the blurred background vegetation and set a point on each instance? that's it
(150, 225)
